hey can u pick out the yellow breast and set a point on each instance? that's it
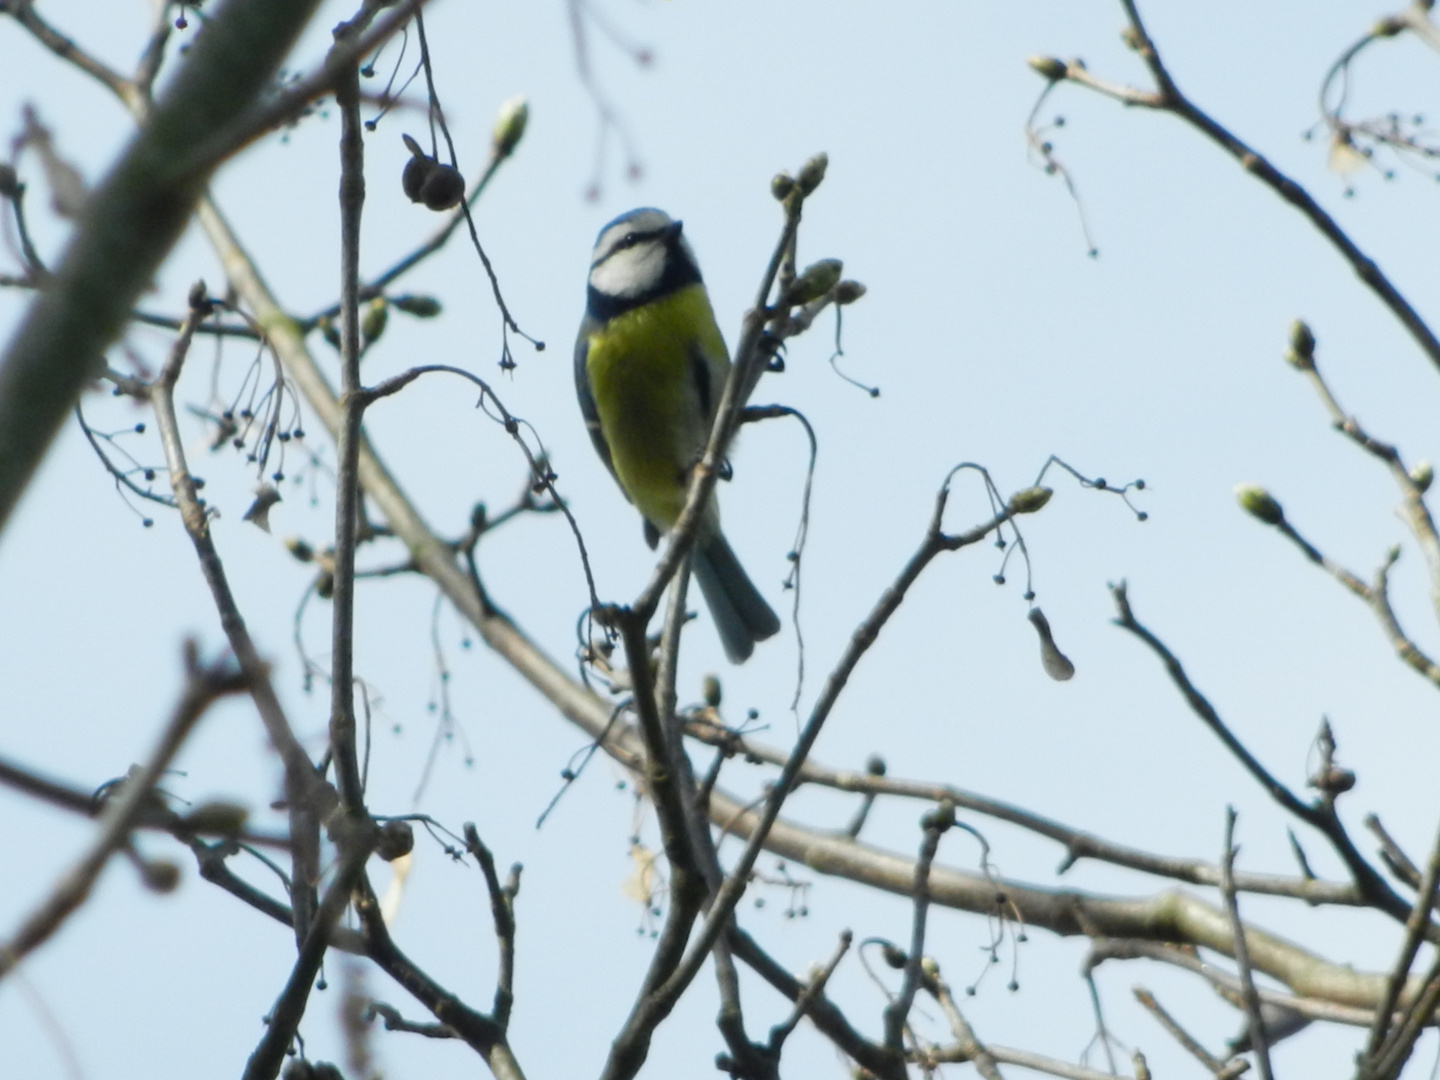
(653, 414)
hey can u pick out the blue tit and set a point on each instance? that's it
(650, 366)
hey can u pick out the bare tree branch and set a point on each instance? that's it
(123, 809)
(128, 226)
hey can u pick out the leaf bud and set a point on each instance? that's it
(1301, 354)
(160, 875)
(847, 292)
(941, 818)
(509, 128)
(216, 817)
(1259, 503)
(817, 280)
(372, 323)
(1422, 475)
(811, 173)
(422, 307)
(1030, 500)
(329, 331)
(781, 184)
(710, 690)
(1049, 67)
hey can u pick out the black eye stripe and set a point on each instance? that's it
(631, 239)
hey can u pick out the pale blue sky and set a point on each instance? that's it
(994, 339)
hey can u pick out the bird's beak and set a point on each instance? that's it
(672, 231)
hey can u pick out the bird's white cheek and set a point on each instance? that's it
(630, 272)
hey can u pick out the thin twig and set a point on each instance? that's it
(308, 797)
(502, 911)
(1367, 879)
(658, 1004)
(128, 226)
(1392, 853)
(1178, 1033)
(123, 809)
(1414, 935)
(395, 1022)
(1419, 1014)
(897, 1013)
(1259, 1038)
(355, 844)
(479, 1032)
(1168, 98)
(968, 1045)
(1078, 844)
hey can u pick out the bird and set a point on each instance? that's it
(650, 367)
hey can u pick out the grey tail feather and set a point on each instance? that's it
(741, 614)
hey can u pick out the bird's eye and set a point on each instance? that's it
(630, 240)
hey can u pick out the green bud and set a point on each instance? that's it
(817, 280)
(781, 184)
(1030, 500)
(894, 955)
(941, 818)
(1257, 502)
(372, 323)
(1049, 67)
(1301, 354)
(929, 968)
(160, 875)
(422, 307)
(847, 292)
(299, 548)
(811, 173)
(710, 690)
(1390, 26)
(875, 765)
(216, 817)
(1422, 475)
(509, 128)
